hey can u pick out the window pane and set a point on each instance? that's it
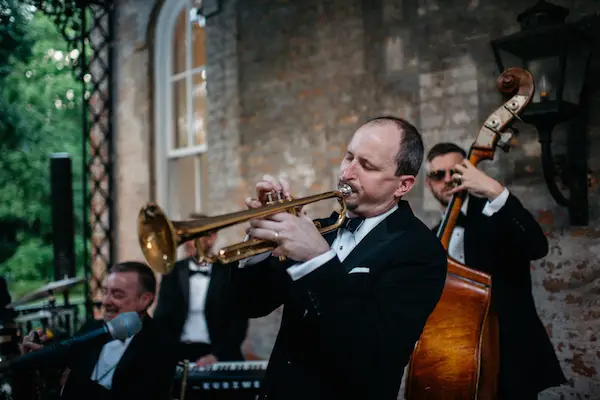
(179, 42)
(180, 117)
(184, 177)
(199, 99)
(198, 44)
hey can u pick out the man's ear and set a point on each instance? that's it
(147, 298)
(405, 184)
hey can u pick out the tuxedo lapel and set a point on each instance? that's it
(213, 295)
(476, 253)
(89, 361)
(184, 281)
(127, 359)
(136, 346)
(330, 236)
(370, 247)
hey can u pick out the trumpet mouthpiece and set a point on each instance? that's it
(345, 190)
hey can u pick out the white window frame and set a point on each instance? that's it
(163, 103)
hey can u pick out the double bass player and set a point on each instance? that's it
(495, 234)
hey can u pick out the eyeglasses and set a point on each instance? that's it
(440, 174)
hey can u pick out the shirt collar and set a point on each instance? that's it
(194, 266)
(369, 223)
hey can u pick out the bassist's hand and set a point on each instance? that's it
(475, 181)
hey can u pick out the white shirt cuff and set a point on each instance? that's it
(492, 207)
(297, 271)
(254, 259)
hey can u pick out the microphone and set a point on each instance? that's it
(123, 326)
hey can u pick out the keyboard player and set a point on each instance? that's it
(193, 304)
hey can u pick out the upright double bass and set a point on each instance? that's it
(456, 357)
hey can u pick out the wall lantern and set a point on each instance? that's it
(557, 54)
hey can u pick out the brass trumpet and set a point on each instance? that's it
(159, 237)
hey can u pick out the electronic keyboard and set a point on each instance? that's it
(222, 379)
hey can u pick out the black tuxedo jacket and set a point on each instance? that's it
(226, 328)
(145, 371)
(503, 245)
(348, 335)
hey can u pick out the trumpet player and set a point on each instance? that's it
(355, 299)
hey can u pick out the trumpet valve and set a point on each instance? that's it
(276, 197)
(279, 198)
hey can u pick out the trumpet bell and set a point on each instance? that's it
(158, 239)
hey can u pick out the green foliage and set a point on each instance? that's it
(14, 43)
(40, 113)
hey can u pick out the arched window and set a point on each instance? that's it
(180, 108)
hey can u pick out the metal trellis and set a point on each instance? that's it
(88, 26)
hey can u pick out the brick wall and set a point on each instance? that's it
(289, 81)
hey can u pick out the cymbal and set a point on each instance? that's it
(46, 291)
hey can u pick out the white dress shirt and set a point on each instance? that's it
(109, 358)
(456, 247)
(343, 244)
(195, 328)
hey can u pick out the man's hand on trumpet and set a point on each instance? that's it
(268, 185)
(297, 236)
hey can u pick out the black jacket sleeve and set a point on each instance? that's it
(257, 290)
(520, 229)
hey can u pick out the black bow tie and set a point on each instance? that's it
(204, 272)
(352, 224)
(200, 268)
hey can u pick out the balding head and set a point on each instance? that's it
(409, 157)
